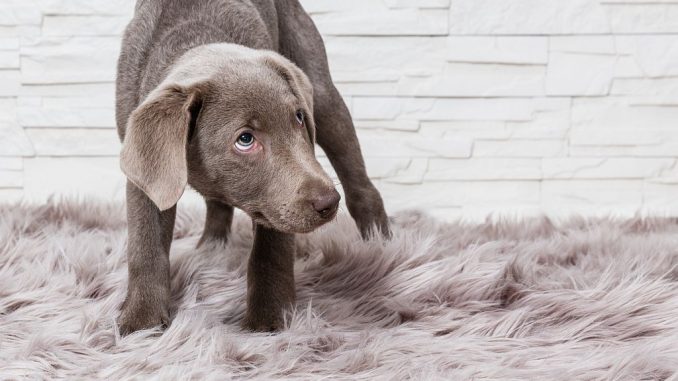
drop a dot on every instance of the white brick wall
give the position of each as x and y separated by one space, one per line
463 107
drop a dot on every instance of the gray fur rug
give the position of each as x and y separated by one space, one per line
530 300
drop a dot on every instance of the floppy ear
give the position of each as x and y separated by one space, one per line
306 88
304 84
153 154
299 83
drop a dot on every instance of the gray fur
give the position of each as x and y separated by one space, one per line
192 76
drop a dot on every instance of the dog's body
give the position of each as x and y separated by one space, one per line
203 99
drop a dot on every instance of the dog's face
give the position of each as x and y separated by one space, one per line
238 126
253 147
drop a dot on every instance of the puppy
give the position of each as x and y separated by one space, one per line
230 96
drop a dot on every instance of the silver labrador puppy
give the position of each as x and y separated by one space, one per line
227 95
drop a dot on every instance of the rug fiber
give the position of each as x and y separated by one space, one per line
503 300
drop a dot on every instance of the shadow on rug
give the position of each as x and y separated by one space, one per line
531 300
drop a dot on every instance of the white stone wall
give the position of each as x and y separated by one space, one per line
463 107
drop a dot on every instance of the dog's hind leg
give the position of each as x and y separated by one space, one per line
301 43
217 222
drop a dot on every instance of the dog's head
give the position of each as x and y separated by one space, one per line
237 124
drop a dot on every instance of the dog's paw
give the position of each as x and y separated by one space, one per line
375 226
367 209
136 316
262 325
263 321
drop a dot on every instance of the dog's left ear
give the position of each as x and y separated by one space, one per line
153 153
299 84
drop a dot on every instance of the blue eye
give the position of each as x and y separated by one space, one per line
245 141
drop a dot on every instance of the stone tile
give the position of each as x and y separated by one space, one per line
366 88
551 120
655 55
483 169
378 59
102 92
8 110
20 32
580 74
459 193
604 168
476 80
52 60
527 17
326 6
441 109
643 18
13 141
11 179
392 22
11 83
492 49
74 142
664 149
87 7
422 4
660 199
612 121
9 59
12 163
545 125
519 148
583 44
412 145
567 193
466 129
385 167
11 194
412 174
647 91
54 25
13 13
67 112
9 43
98 177
397 125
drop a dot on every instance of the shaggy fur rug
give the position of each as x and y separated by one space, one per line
529 300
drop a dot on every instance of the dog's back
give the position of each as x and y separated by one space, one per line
162 30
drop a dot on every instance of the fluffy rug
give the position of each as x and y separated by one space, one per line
528 300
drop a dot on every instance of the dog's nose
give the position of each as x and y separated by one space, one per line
327 203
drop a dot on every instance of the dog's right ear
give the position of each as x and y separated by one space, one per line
153 154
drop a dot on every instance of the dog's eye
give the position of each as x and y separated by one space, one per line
245 141
300 117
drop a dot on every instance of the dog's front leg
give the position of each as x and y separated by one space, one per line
270 279
148 245
337 137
